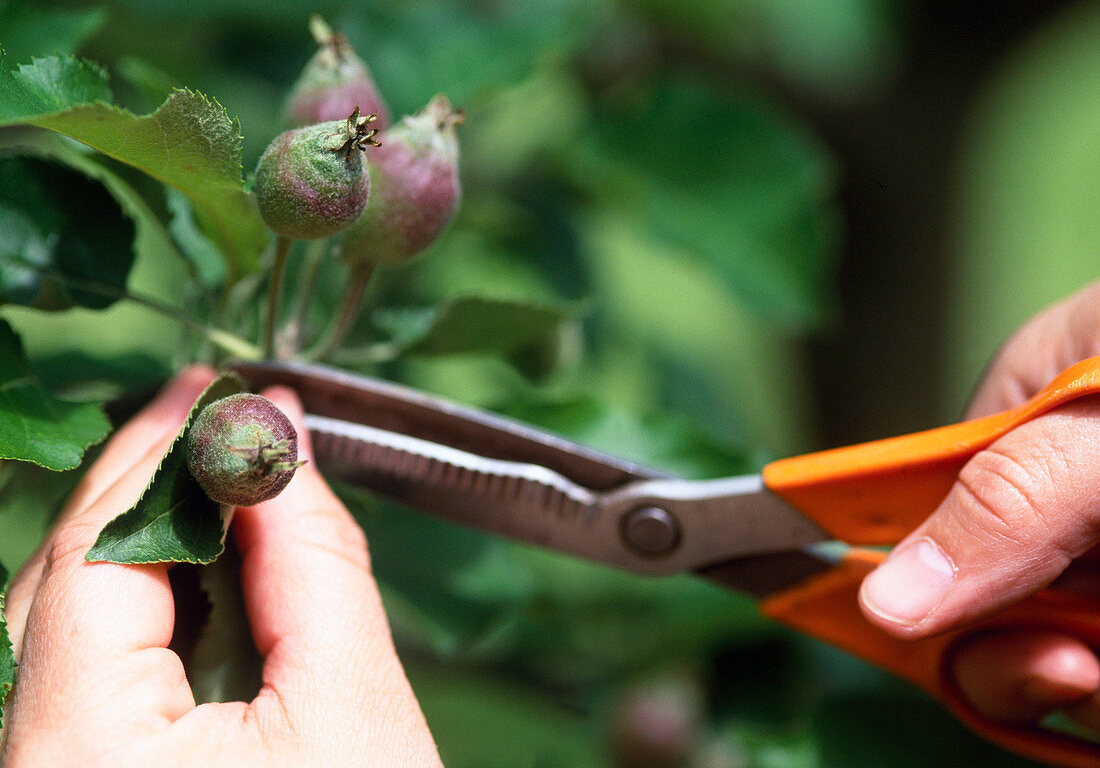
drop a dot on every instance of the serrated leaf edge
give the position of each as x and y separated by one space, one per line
235 184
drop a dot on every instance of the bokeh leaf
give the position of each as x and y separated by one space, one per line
838 50
174 521
31 497
64 240
206 259
657 439
463 595
755 208
481 720
428 47
188 143
468 325
27 30
34 425
1025 231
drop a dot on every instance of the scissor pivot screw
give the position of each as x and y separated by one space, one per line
651 531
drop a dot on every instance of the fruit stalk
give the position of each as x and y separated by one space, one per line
274 294
349 310
225 340
290 339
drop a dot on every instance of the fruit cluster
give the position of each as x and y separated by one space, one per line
312 181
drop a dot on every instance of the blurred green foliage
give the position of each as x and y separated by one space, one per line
638 168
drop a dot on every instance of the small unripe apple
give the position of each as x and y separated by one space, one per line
242 450
312 182
333 83
416 188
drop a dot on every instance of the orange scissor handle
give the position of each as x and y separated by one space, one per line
876 493
827 607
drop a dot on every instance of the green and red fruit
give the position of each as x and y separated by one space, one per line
242 450
333 83
416 188
312 182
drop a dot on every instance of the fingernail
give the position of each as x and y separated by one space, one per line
1049 694
910 584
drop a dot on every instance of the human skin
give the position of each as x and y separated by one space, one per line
1023 513
98 686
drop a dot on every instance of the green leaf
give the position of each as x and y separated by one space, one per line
206 259
755 209
470 325
188 143
34 425
48 85
64 240
78 375
26 30
467 49
223 664
174 521
152 246
7 657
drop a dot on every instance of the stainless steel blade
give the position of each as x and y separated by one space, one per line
515 499
712 521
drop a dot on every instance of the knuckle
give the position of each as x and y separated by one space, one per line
1007 494
157 667
69 545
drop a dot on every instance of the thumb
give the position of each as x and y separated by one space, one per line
1020 512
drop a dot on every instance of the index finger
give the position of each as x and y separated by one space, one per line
315 610
155 423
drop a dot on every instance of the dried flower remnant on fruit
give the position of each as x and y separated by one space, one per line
242 450
312 182
333 83
360 136
416 188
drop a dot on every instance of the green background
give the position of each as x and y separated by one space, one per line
779 226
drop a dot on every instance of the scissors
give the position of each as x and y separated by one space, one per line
800 536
